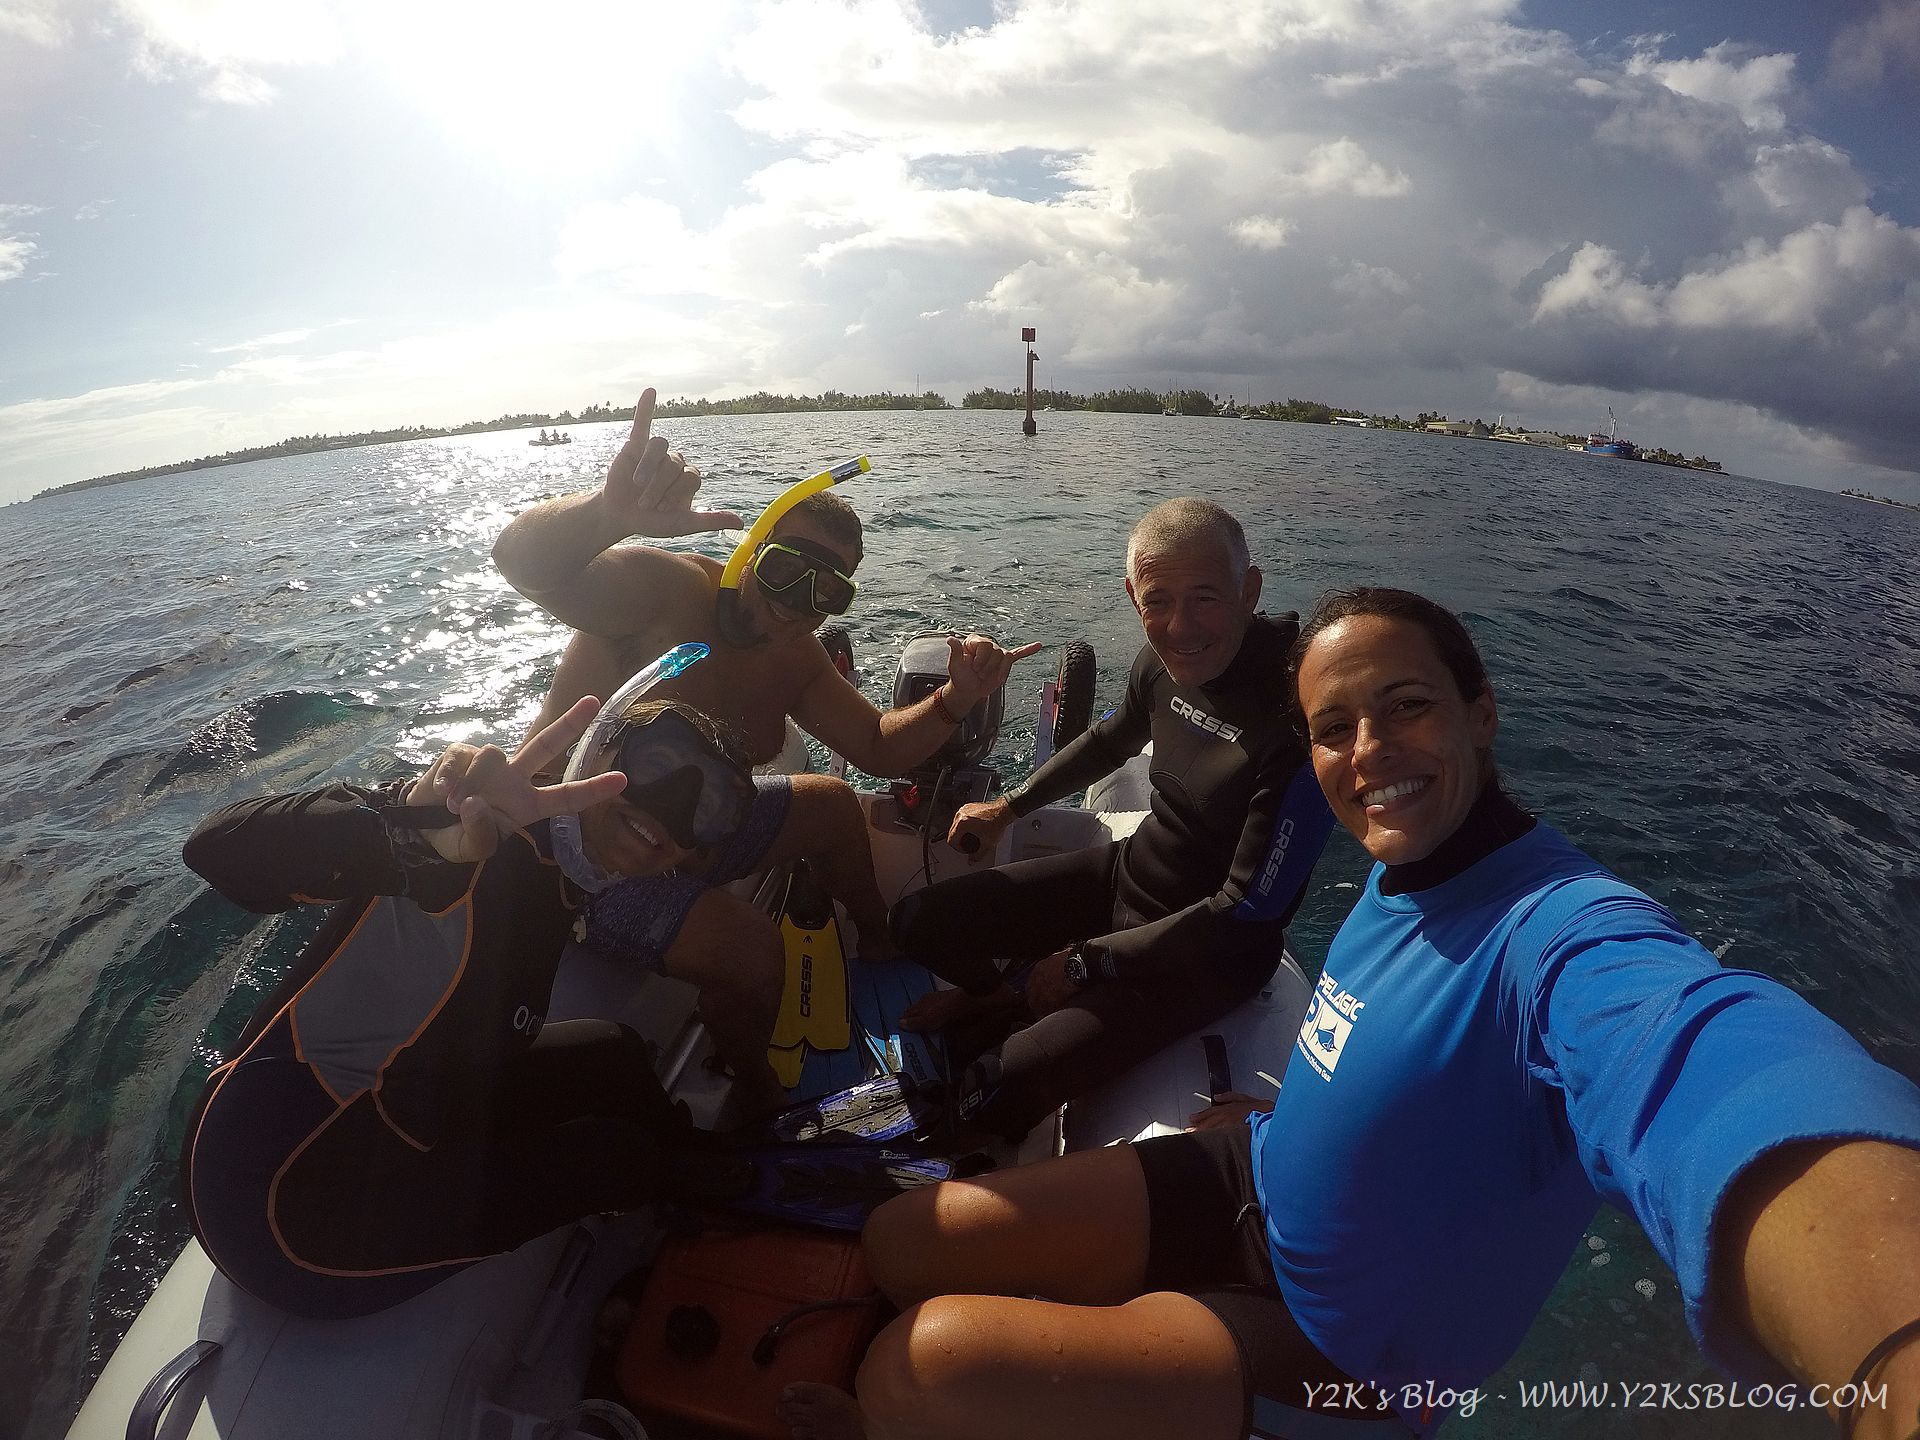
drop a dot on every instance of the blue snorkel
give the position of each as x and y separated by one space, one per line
568 851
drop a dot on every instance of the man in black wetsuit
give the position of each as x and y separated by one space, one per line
1171 928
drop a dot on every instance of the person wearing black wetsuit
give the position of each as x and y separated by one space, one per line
397 1108
1183 920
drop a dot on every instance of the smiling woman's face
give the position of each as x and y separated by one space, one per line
1399 752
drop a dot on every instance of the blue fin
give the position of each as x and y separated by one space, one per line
827 1072
880 992
886 1108
830 1187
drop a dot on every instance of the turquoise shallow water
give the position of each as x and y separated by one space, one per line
1711 683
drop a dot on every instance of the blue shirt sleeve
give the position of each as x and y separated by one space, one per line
1678 1074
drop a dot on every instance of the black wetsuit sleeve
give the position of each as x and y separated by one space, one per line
315 847
1286 828
1103 748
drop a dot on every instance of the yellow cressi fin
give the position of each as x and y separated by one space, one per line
813 1000
788 1061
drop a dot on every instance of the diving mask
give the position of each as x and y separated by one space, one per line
675 775
800 576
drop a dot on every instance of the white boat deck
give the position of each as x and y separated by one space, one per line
499 1349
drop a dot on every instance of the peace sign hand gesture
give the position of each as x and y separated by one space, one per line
650 489
493 794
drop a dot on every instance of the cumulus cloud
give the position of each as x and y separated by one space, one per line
1865 52
38 22
1805 177
16 252
1755 87
1848 286
17 247
1341 167
1360 281
1262 232
1388 192
226 47
1821 329
1393 204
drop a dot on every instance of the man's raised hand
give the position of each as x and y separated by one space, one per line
493 794
650 489
976 667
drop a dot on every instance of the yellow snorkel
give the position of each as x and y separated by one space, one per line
727 602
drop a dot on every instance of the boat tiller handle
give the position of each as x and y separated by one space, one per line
143 1422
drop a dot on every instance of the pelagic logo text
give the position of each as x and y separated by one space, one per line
1200 720
1330 1020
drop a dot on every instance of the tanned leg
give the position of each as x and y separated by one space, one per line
1107 1362
1072 1229
985 1366
826 824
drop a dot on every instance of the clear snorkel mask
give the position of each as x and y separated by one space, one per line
568 850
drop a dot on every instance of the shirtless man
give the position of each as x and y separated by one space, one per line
627 604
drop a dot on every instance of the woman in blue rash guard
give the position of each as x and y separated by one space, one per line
397 1108
1503 1036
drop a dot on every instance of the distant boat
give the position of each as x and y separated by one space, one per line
554 439
1608 444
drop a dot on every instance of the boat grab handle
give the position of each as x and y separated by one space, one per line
143 1423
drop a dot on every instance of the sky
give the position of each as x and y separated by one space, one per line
224 222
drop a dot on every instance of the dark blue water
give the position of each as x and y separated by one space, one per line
1711 683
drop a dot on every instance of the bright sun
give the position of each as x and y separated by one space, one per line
565 87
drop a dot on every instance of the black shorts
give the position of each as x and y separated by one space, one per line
961 929
1206 1239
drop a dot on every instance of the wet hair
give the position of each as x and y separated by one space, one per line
1443 628
1187 523
725 740
832 517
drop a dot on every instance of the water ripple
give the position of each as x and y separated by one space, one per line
1712 683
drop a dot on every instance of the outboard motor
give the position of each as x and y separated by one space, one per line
957 773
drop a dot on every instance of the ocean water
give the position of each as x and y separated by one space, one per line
1711 683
